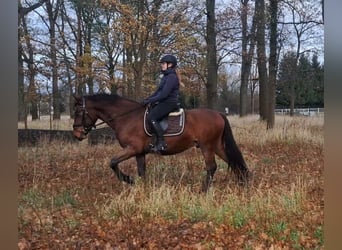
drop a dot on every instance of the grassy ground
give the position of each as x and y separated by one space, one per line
70 199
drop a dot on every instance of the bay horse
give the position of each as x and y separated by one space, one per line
206 129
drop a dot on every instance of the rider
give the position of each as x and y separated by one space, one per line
165 99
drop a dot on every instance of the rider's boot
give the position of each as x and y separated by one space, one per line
160 144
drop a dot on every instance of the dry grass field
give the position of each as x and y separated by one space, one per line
70 199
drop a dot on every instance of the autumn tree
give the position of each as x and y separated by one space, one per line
91 46
89 13
109 49
137 22
49 51
68 52
52 9
82 29
25 55
32 96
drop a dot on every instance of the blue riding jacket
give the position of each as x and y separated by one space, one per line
168 90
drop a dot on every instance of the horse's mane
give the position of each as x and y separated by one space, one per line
111 98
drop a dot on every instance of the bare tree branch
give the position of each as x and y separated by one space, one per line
22 11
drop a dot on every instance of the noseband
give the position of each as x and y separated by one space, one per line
86 129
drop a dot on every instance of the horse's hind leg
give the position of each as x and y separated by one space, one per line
210 166
240 171
141 164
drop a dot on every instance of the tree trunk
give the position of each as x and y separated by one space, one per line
69 80
21 89
90 79
211 55
292 98
22 113
272 63
244 63
253 87
261 52
322 3
79 53
247 56
69 83
32 96
111 68
138 76
128 74
139 68
52 13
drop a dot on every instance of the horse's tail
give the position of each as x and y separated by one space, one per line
234 156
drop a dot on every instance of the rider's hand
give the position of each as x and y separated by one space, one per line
145 102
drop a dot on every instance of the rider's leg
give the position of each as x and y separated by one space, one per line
161 145
156 114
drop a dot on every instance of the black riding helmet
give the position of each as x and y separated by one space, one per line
169 59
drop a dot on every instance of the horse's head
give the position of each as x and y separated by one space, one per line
84 120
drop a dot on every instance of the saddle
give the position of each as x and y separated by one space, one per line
172 125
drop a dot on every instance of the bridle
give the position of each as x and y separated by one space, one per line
85 114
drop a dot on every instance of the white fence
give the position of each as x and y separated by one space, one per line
304 111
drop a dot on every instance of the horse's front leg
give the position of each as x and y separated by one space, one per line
141 164
123 155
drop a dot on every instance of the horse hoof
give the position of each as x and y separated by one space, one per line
129 180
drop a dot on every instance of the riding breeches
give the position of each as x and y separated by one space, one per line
161 110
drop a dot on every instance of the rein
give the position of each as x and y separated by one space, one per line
85 112
112 118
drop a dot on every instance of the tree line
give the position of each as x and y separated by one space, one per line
300 83
80 47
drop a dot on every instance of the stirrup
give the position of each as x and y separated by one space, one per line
152 148
161 146
156 148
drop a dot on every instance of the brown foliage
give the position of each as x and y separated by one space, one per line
64 189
